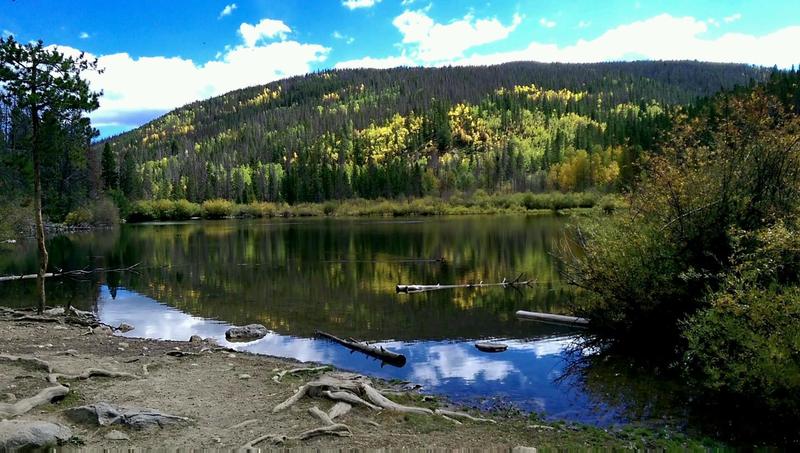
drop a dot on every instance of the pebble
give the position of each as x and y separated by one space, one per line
195 339
117 435
122 344
231 356
244 376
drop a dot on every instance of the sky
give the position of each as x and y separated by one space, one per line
160 55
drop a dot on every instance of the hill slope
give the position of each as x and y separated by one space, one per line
416 131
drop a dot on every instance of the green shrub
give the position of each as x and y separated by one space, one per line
142 211
747 346
80 216
104 212
185 209
164 209
217 208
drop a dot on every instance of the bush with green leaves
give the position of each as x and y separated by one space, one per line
746 344
218 208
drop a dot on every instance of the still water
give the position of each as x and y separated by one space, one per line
339 276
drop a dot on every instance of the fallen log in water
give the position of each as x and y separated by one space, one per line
77 272
517 282
386 356
549 317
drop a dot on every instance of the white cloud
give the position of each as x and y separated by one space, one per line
378 63
544 22
432 41
584 23
227 10
406 2
84 35
732 18
7 33
347 39
662 37
712 21
354 4
136 90
266 29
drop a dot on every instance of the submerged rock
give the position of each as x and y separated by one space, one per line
195 339
23 434
105 414
125 327
246 333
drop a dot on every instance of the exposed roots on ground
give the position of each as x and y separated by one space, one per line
35 361
453 415
90 372
22 406
9 410
281 374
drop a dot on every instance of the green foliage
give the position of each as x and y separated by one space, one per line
412 133
746 344
184 209
101 212
217 209
734 165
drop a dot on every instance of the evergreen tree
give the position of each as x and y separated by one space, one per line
109 168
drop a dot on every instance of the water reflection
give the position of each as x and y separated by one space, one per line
525 375
296 277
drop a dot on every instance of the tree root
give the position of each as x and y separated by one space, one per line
37 362
301 392
281 374
378 399
339 409
22 406
322 416
91 372
453 414
348 397
243 424
337 429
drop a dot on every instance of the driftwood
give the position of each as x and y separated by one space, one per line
73 273
453 414
281 374
22 406
516 283
339 409
378 352
90 372
549 317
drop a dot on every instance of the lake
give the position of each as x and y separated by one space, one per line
339 276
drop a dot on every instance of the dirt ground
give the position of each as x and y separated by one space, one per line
211 389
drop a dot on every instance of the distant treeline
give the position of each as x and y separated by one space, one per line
404 132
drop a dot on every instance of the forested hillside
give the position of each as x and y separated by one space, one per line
414 131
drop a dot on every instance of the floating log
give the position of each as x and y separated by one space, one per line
491 347
410 289
549 317
77 272
386 356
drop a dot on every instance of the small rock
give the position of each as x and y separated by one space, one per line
125 327
23 434
55 311
521 449
10 397
231 356
60 328
122 344
102 330
195 339
117 435
543 427
246 333
105 414
244 376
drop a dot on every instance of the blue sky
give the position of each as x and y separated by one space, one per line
159 55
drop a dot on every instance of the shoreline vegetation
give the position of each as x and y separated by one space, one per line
224 399
478 203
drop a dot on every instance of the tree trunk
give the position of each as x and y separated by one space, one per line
37 208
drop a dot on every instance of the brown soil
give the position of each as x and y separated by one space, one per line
208 389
